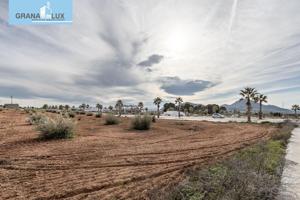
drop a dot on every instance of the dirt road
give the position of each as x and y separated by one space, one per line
110 162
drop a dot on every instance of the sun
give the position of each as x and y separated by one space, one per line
177 39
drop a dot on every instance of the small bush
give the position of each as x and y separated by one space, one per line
57 128
179 123
71 114
111 120
89 114
82 112
141 122
153 119
266 122
36 119
98 115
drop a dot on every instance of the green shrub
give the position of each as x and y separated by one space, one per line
98 115
141 122
284 133
111 120
89 114
265 122
82 112
282 136
56 128
35 119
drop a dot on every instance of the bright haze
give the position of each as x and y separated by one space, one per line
202 50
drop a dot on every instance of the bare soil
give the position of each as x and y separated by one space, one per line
111 162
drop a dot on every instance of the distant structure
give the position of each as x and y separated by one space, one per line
11 105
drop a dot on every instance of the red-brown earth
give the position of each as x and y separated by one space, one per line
111 162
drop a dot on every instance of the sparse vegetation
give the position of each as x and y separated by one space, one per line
99 107
98 115
179 123
35 119
284 133
110 119
56 128
253 173
82 112
185 145
295 108
141 122
72 114
89 114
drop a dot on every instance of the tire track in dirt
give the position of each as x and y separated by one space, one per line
141 154
104 162
199 160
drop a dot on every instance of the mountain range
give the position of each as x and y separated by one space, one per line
241 106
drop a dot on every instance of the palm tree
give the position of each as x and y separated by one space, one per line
249 94
140 106
179 101
157 101
295 107
82 106
99 107
67 107
110 108
260 98
119 106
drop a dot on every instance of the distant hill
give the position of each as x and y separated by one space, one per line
241 106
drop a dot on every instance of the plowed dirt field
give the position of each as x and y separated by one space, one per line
111 162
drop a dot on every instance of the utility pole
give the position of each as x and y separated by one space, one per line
11 99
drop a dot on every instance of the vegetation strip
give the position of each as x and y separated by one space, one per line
252 173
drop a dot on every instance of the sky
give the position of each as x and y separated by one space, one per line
205 51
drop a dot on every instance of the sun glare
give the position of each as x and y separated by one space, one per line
177 39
